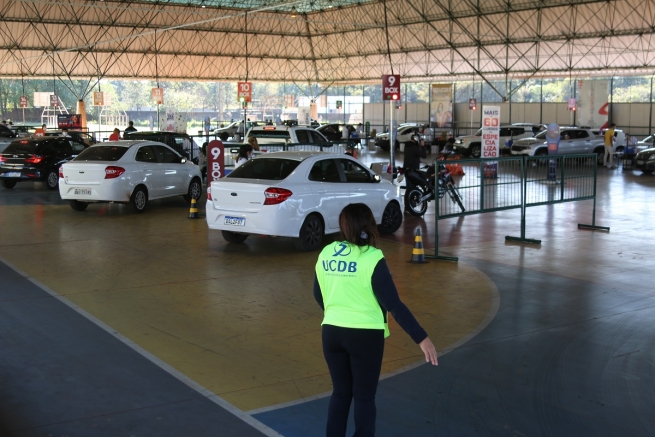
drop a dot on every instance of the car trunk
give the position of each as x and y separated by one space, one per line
238 196
85 174
15 156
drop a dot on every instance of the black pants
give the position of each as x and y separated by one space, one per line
354 358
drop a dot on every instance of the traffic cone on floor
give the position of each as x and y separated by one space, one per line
193 211
418 255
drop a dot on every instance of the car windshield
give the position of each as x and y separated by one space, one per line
274 169
541 135
102 153
21 147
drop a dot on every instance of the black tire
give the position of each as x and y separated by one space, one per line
139 200
8 184
600 156
455 196
224 136
647 171
234 237
51 181
475 150
541 152
414 205
78 206
195 190
392 218
310 236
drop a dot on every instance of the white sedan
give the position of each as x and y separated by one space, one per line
130 172
300 195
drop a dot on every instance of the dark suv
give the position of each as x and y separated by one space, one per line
37 159
180 142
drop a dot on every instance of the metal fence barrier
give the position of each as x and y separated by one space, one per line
497 184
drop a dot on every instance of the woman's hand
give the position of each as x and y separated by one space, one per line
430 352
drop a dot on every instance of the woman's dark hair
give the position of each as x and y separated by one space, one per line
243 151
358 225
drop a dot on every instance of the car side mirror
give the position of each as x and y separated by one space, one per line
377 178
183 160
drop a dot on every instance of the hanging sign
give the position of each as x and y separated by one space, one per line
571 104
158 95
244 91
98 98
339 104
472 104
54 100
391 87
23 101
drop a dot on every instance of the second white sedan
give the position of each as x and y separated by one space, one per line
131 172
300 195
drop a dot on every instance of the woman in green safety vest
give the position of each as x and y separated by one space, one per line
353 286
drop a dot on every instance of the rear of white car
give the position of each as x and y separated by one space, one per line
127 172
299 195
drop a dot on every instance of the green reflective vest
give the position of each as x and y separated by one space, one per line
344 273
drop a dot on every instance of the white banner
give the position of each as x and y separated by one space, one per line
593 96
170 120
490 132
42 99
304 115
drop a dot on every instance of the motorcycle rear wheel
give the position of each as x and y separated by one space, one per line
414 205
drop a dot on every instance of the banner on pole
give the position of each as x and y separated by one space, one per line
442 105
490 139
593 96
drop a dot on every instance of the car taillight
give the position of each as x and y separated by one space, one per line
276 196
61 172
209 193
3 159
112 172
34 159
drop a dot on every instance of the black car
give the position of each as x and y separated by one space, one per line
645 160
334 131
180 142
37 159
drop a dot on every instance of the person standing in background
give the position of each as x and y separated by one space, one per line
609 147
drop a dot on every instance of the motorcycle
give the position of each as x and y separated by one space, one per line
417 197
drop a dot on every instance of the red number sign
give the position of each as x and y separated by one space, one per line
215 161
391 87
244 90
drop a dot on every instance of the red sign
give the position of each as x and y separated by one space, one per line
472 104
54 100
571 104
215 161
244 91
391 87
23 101
158 95
98 98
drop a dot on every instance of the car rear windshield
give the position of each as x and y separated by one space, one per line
275 134
272 169
102 153
20 147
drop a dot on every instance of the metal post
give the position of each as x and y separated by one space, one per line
592 226
524 201
650 113
436 225
392 146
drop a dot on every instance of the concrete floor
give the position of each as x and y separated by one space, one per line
119 324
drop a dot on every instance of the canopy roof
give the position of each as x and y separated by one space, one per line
326 41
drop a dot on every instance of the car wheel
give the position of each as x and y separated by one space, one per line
51 181
392 218
8 184
310 236
78 206
139 200
224 136
600 155
195 190
647 171
234 237
475 150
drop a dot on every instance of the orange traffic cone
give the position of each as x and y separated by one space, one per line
193 211
418 255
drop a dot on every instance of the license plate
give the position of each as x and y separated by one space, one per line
235 221
12 174
82 191
641 162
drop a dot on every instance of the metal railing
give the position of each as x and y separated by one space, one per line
497 184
